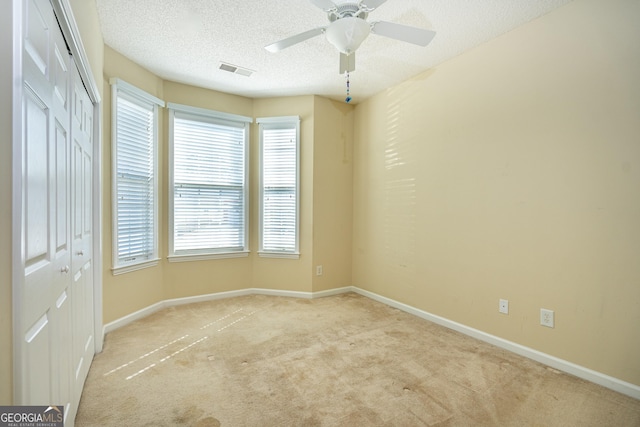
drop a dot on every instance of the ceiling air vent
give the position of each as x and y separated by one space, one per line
235 69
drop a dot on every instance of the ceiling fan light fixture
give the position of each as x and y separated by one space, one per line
346 34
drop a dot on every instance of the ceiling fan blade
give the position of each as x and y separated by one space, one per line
404 33
325 5
290 41
347 62
372 4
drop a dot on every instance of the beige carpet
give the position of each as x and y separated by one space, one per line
337 361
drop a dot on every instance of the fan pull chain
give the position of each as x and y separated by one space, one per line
348 98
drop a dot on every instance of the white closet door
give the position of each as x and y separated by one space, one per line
82 242
61 63
45 193
56 296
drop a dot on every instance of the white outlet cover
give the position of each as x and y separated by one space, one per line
546 318
503 306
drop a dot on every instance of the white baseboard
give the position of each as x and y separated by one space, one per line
607 381
331 292
119 323
206 297
298 294
278 293
111 326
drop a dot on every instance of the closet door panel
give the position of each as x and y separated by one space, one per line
47 302
82 243
62 299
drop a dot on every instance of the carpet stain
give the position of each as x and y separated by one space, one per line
397 334
128 405
207 422
188 415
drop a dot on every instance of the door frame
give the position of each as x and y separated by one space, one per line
71 33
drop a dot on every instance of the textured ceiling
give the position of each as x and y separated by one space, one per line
186 40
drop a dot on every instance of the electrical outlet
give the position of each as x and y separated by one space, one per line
503 306
546 317
318 270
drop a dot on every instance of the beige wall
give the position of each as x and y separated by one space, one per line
325 200
6 117
513 171
86 17
185 279
126 293
326 186
332 193
274 273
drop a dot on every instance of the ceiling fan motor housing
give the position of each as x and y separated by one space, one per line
347 10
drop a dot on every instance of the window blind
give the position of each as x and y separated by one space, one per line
134 164
208 185
279 185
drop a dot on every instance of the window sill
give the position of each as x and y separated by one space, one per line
286 255
204 257
134 267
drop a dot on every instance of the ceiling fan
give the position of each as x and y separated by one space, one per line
348 27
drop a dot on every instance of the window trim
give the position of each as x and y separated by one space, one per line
120 86
206 115
282 122
117 86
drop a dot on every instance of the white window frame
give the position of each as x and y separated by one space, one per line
133 94
206 115
284 122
